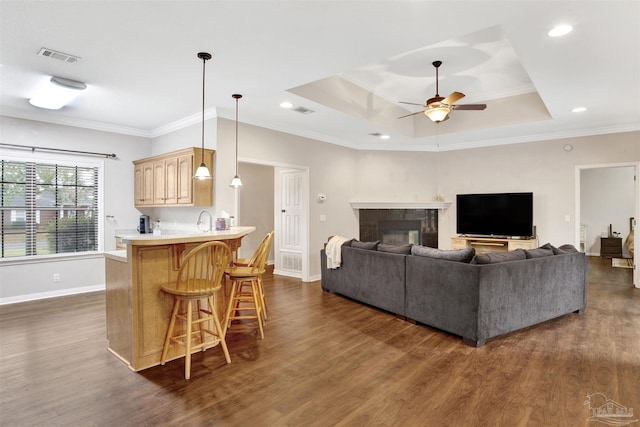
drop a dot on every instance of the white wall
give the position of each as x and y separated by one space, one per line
256 205
542 167
332 171
395 176
34 279
606 198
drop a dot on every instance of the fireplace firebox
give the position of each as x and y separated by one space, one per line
400 226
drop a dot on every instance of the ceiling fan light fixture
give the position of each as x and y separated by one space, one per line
437 114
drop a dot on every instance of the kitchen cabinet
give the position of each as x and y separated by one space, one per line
143 186
167 179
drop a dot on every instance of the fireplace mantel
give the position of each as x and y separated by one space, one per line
400 205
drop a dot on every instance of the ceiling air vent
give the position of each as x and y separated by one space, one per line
50 53
303 110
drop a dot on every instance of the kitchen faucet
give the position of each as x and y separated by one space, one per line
199 223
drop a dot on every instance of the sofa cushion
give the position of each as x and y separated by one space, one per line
364 245
495 257
538 253
459 255
565 249
348 242
403 249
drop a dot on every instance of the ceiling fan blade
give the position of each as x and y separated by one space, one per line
469 107
410 103
451 99
412 114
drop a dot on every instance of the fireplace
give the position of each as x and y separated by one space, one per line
400 226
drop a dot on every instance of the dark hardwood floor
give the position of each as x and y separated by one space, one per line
325 361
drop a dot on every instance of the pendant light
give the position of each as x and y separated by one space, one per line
236 181
203 172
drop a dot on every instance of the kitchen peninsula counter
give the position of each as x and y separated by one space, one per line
137 310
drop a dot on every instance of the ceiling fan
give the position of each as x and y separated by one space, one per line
438 108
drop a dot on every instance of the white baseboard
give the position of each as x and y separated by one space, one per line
287 273
52 294
295 274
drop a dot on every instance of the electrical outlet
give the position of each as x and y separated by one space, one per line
56 278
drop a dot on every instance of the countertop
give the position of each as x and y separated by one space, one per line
176 236
120 255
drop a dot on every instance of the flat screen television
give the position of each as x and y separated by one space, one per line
497 214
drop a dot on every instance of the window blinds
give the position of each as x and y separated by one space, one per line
48 208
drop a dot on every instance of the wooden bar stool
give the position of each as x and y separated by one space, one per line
262 250
247 290
199 278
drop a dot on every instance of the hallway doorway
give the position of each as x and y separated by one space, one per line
268 189
607 205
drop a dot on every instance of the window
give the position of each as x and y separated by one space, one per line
48 208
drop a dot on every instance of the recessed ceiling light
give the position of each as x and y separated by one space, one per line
380 135
560 30
286 104
579 109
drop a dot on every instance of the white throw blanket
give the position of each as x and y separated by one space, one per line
334 251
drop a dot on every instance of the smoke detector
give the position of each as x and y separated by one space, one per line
50 53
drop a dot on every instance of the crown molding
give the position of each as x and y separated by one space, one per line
79 123
183 123
425 145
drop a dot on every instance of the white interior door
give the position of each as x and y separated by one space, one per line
290 213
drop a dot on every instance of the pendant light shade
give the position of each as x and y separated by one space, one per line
236 181
203 171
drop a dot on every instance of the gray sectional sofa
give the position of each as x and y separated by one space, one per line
474 296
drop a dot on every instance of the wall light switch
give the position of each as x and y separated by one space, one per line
323 218
567 218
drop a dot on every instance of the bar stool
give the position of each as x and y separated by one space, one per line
247 290
199 278
263 249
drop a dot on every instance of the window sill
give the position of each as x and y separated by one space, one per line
49 258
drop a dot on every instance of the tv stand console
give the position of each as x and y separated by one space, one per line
492 244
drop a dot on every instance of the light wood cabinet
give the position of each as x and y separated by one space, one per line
143 184
167 180
489 244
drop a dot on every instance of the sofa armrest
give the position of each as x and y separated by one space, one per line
369 276
518 294
443 294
